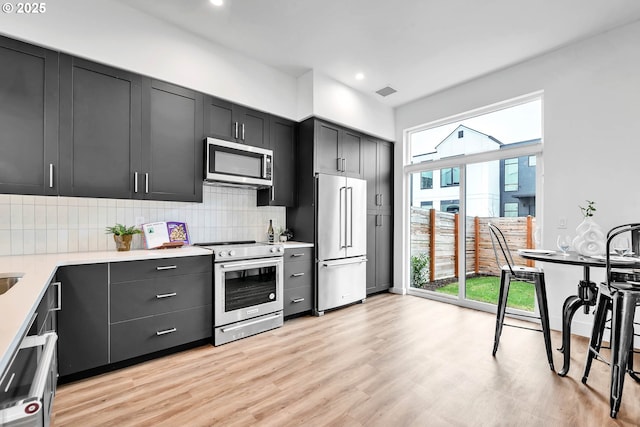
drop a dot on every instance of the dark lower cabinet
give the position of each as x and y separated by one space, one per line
28 119
83 321
379 252
298 280
172 142
100 126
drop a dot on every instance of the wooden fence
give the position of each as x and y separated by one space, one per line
436 233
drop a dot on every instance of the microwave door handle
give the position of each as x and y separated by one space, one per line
264 166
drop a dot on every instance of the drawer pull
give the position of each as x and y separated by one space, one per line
297 255
166 331
297 300
297 274
172 294
167 267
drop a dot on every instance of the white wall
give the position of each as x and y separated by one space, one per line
591 106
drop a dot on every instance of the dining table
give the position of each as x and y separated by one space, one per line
587 294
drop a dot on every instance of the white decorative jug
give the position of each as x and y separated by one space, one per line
590 239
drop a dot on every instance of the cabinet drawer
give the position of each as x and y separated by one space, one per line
297 300
298 274
150 334
142 298
298 254
126 271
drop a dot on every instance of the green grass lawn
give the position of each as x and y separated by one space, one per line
485 289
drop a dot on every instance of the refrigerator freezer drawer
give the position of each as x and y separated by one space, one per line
341 282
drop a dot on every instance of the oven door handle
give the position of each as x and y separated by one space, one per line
36 391
255 322
250 263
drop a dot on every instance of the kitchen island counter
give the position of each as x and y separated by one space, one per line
19 303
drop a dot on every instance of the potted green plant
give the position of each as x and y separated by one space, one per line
122 235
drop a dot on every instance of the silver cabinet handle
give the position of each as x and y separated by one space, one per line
242 132
166 331
59 297
146 183
50 175
381 199
297 275
135 182
378 220
166 267
297 300
297 255
172 294
344 165
235 132
339 164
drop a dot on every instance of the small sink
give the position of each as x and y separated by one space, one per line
8 280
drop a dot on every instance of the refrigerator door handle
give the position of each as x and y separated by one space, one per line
343 210
349 218
340 263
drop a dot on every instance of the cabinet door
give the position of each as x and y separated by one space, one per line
100 111
370 172
350 143
385 176
253 126
28 119
218 119
283 143
384 252
172 136
371 253
83 322
327 148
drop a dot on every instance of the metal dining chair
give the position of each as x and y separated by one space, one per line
619 297
510 271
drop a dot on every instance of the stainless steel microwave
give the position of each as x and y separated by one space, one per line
230 163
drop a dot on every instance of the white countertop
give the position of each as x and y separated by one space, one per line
19 303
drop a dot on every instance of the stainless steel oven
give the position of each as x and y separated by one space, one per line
248 281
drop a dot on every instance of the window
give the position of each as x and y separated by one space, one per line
511 175
426 205
450 177
532 161
451 206
426 180
511 209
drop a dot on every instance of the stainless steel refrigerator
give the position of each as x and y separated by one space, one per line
341 244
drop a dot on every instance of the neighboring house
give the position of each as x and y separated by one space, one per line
518 184
502 188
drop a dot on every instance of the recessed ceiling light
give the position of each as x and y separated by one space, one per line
216 2
359 76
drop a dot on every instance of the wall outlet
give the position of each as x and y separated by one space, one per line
562 222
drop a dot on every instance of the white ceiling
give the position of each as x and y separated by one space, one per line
418 47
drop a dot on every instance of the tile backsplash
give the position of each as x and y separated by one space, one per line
52 224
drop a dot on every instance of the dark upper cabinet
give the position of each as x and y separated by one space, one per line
225 120
172 135
337 150
28 119
377 164
100 130
283 143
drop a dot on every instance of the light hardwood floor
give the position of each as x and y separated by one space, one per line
392 361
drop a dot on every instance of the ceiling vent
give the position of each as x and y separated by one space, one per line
386 91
